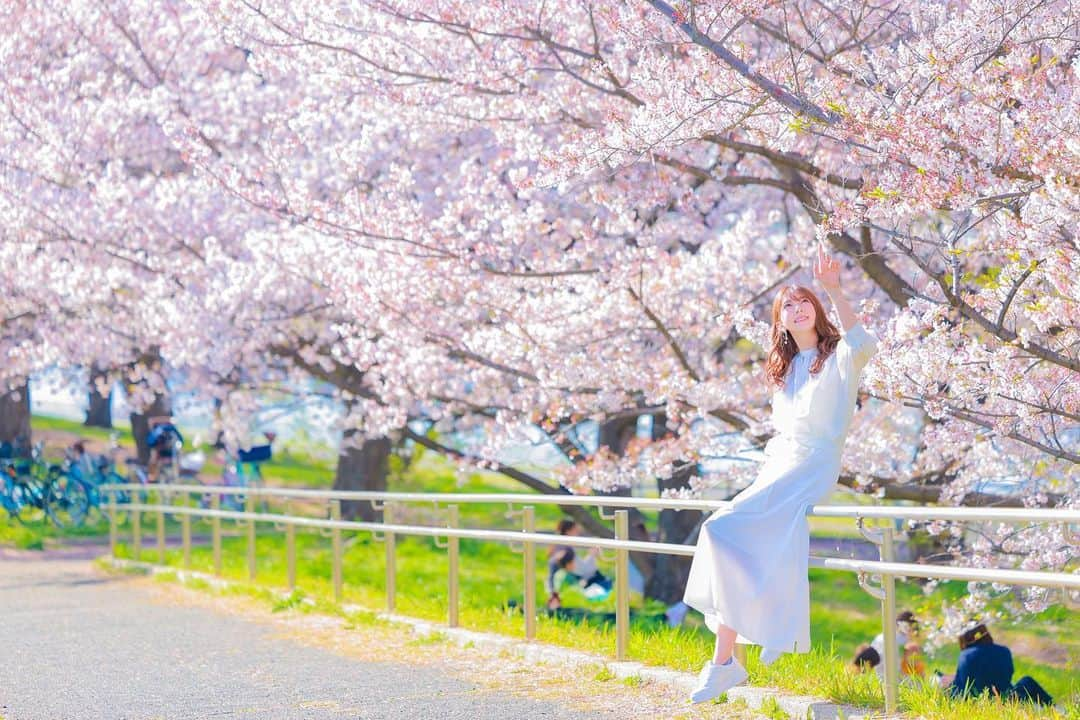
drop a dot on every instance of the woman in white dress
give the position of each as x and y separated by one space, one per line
749 574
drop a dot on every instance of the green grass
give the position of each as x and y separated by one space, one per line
40 533
435 638
926 701
46 423
603 674
293 601
771 709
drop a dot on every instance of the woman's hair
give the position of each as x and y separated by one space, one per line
784 348
975 635
564 526
866 657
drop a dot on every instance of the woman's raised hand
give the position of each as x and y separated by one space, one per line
826 270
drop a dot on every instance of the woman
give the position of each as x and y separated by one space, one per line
866 659
749 575
984 667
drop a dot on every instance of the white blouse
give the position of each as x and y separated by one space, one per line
816 410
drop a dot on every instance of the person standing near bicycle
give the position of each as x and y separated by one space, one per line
164 441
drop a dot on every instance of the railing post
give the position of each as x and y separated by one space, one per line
114 524
215 533
136 533
290 555
161 526
622 585
185 535
529 526
335 540
391 560
452 547
252 526
888 621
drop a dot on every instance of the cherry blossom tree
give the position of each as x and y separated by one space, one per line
502 215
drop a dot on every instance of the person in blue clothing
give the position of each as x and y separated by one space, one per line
164 441
579 568
986 667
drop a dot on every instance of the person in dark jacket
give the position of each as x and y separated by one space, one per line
986 667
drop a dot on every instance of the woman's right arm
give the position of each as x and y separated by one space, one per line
827 273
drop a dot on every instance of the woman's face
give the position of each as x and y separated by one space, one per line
797 314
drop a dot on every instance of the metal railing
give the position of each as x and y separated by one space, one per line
886 569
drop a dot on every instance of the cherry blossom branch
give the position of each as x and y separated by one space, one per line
471 87
1012 293
672 343
786 159
1004 334
782 95
970 417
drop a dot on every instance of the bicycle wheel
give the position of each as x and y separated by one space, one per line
99 499
68 501
26 502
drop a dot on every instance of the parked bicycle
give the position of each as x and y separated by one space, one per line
21 496
93 471
35 489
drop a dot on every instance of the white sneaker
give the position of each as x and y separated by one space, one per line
715 680
768 657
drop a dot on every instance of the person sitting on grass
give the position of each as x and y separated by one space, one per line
575 567
907 628
866 659
986 667
912 664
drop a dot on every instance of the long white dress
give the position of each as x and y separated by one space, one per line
750 567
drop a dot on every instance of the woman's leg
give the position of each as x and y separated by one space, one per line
722 673
725 644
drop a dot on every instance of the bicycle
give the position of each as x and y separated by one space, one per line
21 496
243 471
93 471
35 489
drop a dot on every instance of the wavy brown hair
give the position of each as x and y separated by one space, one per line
784 348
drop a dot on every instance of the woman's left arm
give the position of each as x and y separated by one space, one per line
827 273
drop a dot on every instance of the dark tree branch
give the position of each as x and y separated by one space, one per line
781 94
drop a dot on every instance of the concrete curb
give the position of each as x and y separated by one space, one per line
797 707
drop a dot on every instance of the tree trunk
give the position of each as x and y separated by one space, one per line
15 417
616 435
668 581
99 408
148 365
140 425
362 468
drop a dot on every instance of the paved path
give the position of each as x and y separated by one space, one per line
76 644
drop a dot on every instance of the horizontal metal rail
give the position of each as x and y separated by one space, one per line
1066 581
886 570
1003 515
